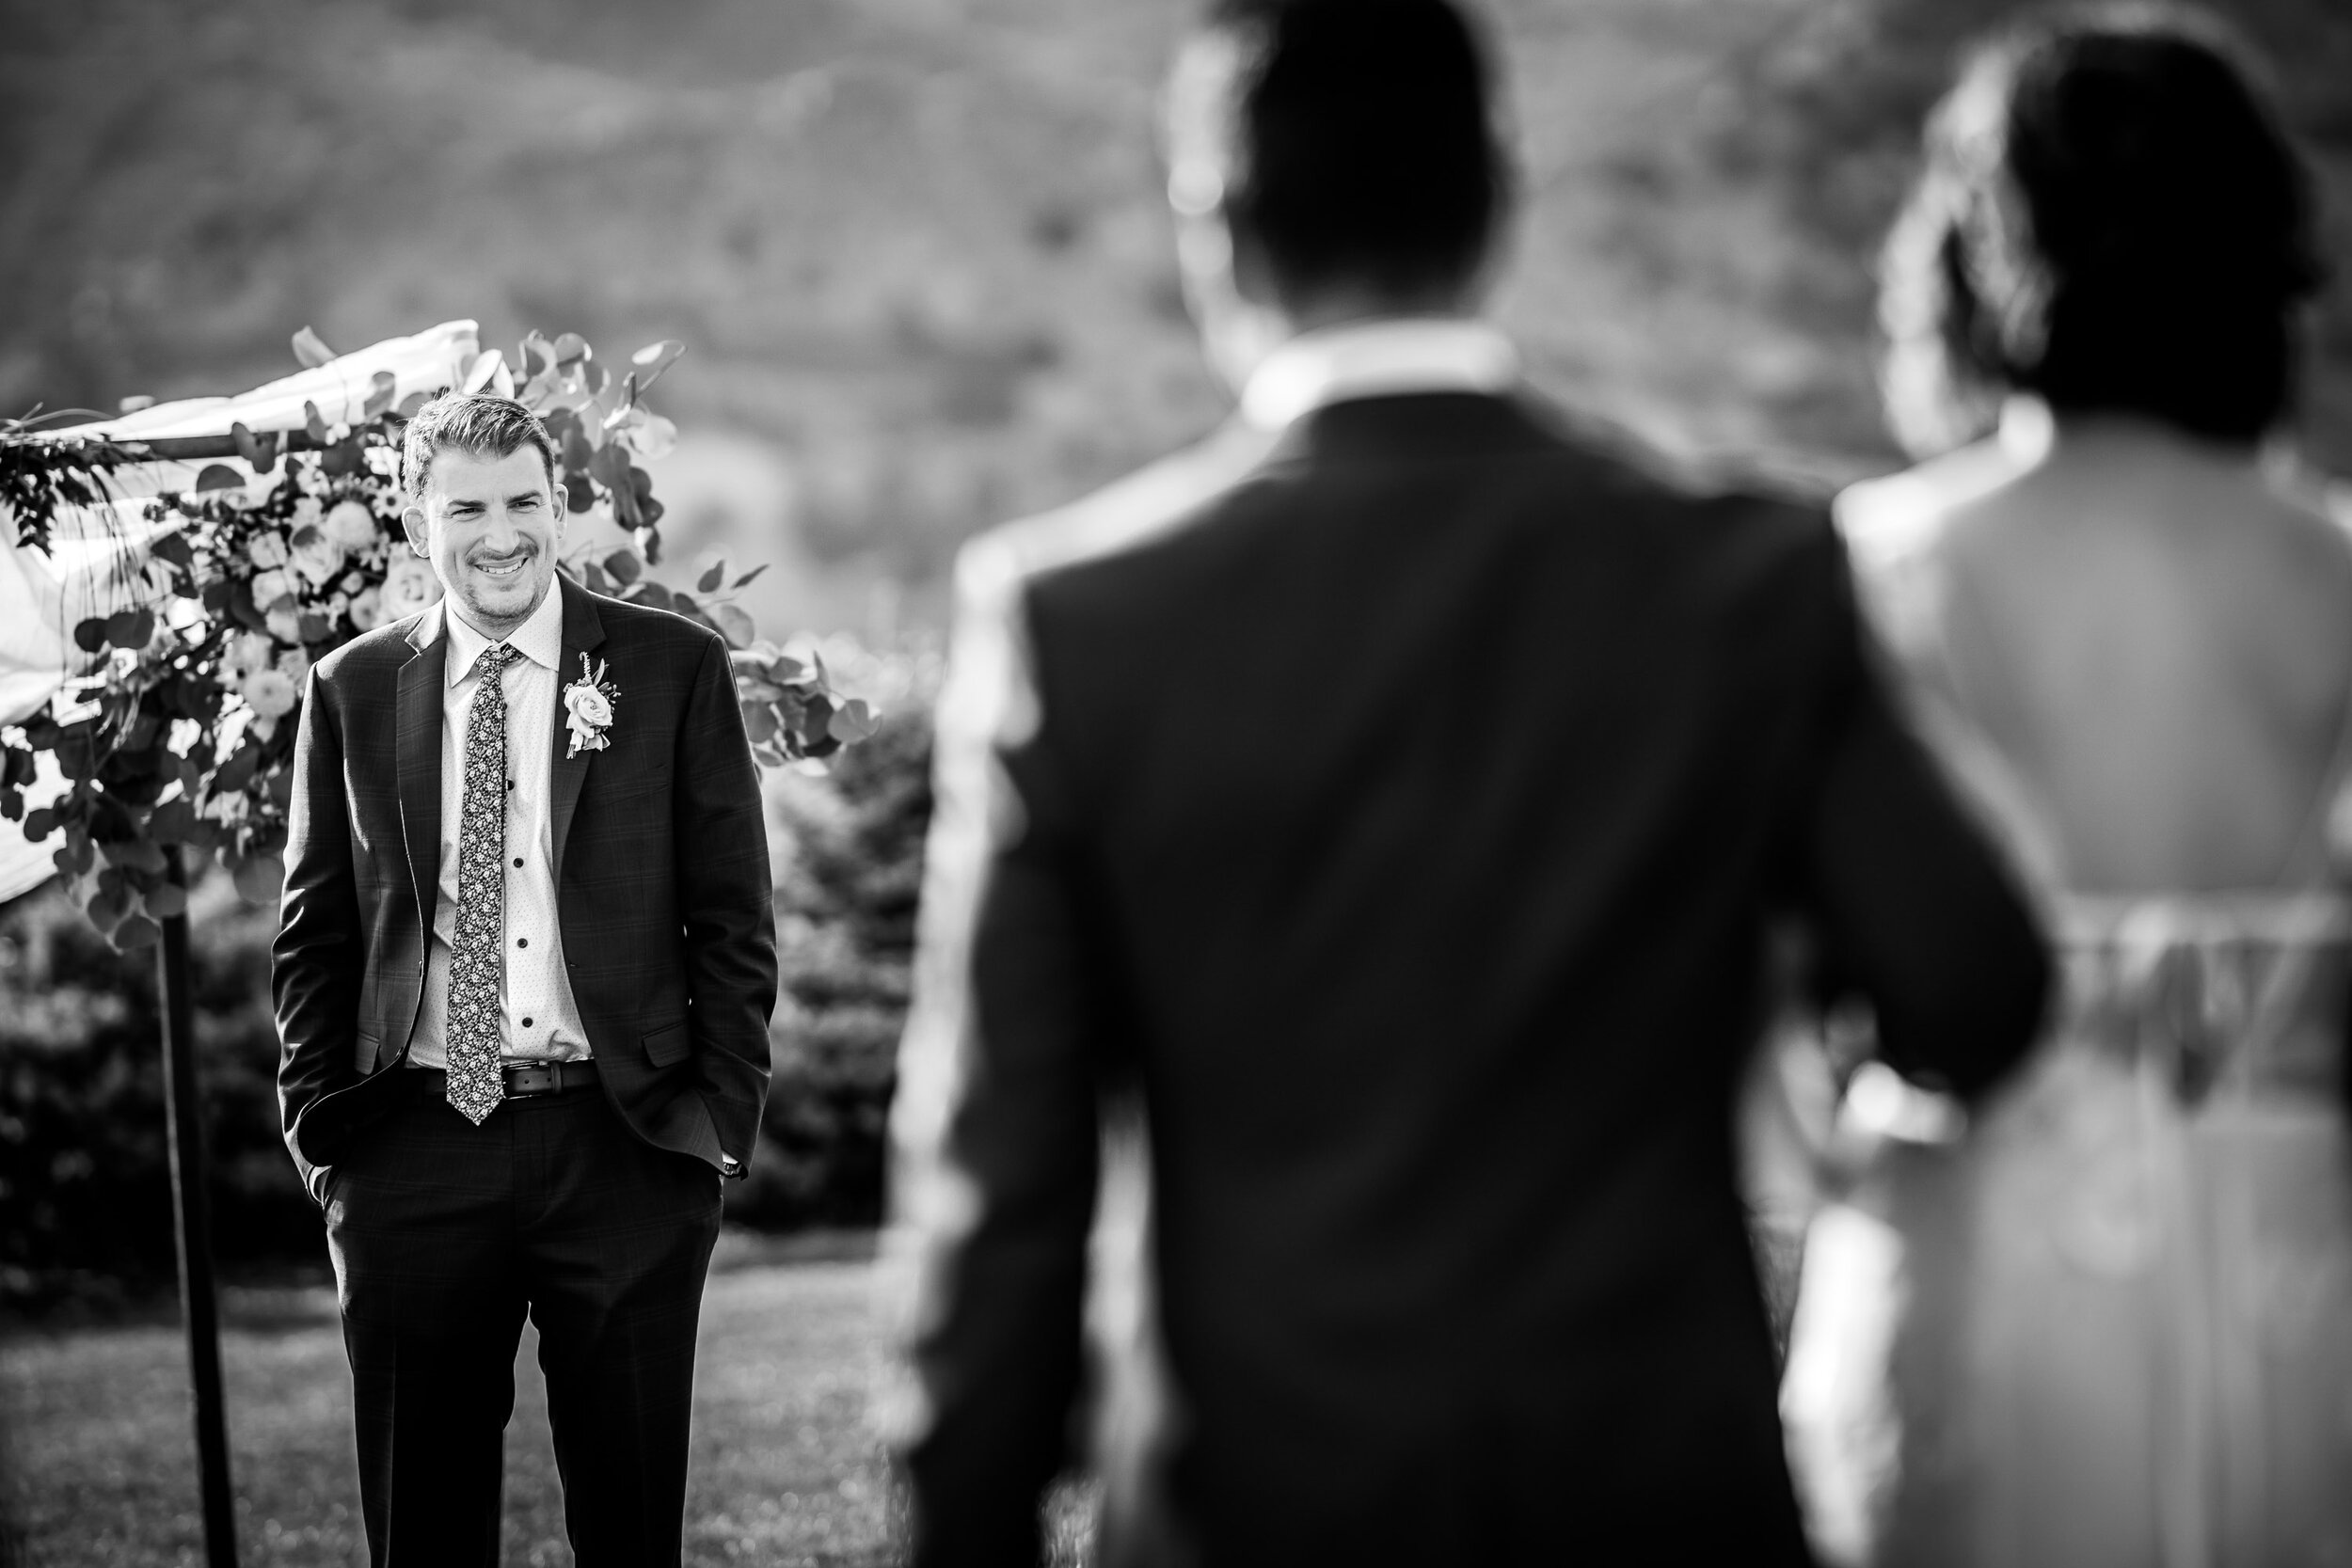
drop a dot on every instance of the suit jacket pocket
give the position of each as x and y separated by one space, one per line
668 1047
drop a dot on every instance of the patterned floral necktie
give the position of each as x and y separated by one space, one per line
476 961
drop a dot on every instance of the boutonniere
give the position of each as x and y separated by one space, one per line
588 708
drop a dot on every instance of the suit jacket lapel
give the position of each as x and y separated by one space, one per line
582 632
422 686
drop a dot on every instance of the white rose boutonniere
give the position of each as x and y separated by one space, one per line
588 708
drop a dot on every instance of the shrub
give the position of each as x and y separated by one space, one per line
846 894
85 1189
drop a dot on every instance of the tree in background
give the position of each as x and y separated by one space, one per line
85 1195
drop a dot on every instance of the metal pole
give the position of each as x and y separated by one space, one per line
193 1228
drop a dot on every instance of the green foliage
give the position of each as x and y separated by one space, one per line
84 1186
180 738
845 904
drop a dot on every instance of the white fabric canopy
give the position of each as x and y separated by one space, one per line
100 556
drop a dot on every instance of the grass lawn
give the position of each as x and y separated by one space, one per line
97 1462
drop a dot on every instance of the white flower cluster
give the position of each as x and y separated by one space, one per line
328 558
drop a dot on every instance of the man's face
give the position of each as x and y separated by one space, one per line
492 526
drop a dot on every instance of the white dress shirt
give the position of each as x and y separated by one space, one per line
541 1021
1378 358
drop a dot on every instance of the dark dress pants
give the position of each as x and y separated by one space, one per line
443 1235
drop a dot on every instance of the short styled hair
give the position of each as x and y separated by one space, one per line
2110 217
481 423
1364 149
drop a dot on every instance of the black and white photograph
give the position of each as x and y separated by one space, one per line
1175 783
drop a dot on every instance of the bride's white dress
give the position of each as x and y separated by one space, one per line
2112 1322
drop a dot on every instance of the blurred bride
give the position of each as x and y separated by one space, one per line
2111 1321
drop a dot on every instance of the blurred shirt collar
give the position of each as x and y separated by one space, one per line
540 639
1379 358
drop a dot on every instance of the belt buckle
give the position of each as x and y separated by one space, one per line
526 1078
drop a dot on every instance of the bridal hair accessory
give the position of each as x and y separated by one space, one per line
588 708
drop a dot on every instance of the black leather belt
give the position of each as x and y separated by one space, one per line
524 1080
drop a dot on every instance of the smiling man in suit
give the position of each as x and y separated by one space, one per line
523 974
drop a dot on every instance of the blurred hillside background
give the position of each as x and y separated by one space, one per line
917 246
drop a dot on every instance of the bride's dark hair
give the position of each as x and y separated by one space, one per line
2112 217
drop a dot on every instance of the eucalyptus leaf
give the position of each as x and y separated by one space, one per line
482 371
712 579
852 723
654 358
134 933
311 349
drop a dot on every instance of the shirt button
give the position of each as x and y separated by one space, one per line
526 1024
522 941
518 865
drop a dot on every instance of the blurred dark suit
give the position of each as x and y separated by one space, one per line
1403 819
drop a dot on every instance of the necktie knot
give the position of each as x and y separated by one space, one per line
495 657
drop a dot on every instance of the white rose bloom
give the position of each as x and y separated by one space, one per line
382 461
269 693
284 623
267 550
352 582
589 705
249 652
367 610
409 586
271 586
351 524
316 556
306 511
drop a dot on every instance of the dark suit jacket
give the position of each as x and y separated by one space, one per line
1405 820
662 888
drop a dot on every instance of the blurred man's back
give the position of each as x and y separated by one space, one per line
1404 817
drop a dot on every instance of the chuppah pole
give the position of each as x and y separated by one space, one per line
193 1229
